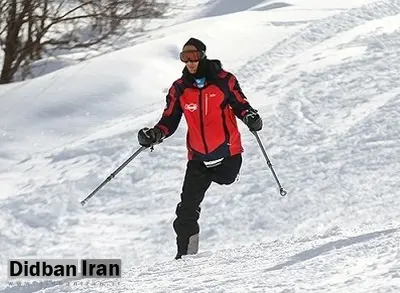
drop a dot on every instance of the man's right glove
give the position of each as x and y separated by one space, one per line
149 136
253 120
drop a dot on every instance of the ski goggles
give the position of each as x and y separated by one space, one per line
194 56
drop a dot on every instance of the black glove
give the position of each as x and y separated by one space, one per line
149 136
253 120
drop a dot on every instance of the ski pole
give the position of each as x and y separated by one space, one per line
109 178
281 190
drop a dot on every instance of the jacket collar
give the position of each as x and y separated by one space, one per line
213 68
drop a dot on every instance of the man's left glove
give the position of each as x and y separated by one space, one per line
150 136
253 120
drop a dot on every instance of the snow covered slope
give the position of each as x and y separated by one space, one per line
324 78
361 262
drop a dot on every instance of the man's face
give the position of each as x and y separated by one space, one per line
191 65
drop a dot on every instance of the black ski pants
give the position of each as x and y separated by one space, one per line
198 179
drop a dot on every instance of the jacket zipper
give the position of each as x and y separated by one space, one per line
206 104
203 136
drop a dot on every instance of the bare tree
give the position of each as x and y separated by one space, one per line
30 29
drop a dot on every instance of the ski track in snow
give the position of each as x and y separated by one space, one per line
264 267
329 94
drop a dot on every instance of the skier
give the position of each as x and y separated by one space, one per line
210 98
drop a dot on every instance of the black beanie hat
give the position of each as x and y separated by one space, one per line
199 45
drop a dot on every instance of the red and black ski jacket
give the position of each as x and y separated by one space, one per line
209 112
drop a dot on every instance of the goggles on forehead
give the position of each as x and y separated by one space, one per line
193 56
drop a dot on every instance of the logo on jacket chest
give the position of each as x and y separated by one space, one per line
191 107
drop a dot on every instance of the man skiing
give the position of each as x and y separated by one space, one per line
210 98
